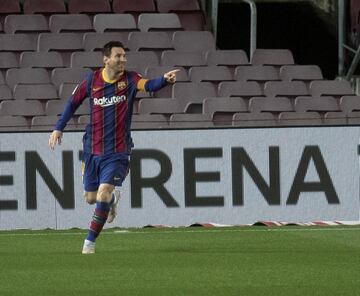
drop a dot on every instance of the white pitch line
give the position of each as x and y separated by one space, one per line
183 231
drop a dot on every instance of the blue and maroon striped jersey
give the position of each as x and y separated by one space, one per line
111 104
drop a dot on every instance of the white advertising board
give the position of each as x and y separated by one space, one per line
180 177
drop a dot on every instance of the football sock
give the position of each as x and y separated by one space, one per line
98 220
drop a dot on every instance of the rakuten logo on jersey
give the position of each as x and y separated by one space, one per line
105 101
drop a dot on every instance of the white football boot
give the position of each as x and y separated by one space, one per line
88 247
113 208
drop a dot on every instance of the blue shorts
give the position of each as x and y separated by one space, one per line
109 169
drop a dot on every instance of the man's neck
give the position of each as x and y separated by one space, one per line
111 75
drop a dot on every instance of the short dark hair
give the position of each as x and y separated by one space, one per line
108 47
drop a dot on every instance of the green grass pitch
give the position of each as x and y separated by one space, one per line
183 261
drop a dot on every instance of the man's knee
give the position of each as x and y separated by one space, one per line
90 197
104 192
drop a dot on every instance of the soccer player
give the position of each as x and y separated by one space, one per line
107 140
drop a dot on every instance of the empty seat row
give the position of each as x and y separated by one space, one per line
60 23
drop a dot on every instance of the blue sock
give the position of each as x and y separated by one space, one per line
99 219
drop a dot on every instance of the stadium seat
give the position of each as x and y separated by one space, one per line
59 42
165 106
8 60
48 60
256 73
133 7
96 41
168 22
17 42
73 23
272 57
226 58
149 121
254 119
47 123
2 80
66 90
353 117
190 121
5 93
35 92
189 12
335 118
300 72
9 7
194 41
22 23
92 59
68 75
155 41
214 74
274 105
21 108
182 59
54 107
239 89
350 103
155 72
285 88
45 7
114 22
26 76
331 88
221 110
142 59
10 123
300 119
89 6
318 104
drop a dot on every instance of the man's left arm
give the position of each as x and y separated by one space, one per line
157 83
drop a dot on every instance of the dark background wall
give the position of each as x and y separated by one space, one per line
295 26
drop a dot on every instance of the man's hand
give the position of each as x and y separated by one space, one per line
171 76
55 138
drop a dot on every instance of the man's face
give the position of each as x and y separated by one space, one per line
117 60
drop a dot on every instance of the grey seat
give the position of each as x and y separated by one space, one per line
142 59
8 60
9 123
331 88
213 74
48 60
124 22
159 22
45 7
66 90
300 72
96 41
254 119
21 108
9 6
164 106
88 59
258 73
62 23
274 105
5 93
17 42
155 72
190 121
68 75
239 89
47 123
25 23
155 41
35 92
285 88
318 104
26 76
59 42
194 41
130 6
335 118
226 57
54 107
300 118
353 117
275 57
89 6
149 121
182 59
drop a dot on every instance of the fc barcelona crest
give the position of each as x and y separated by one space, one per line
121 85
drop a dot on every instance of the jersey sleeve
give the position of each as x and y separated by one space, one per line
143 84
79 94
